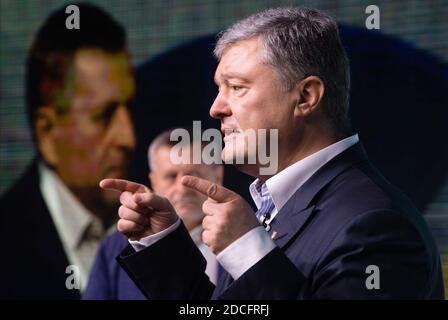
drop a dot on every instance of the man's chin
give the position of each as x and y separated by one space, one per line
240 160
231 156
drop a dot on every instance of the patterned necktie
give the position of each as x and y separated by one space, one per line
267 205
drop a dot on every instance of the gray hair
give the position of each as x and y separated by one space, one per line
161 140
164 140
297 43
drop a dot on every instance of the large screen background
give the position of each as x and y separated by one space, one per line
154 26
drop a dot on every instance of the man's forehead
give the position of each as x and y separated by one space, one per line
239 58
100 78
90 64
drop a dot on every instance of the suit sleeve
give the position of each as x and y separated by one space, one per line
98 286
274 277
172 268
382 239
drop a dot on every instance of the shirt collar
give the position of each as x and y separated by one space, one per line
71 218
286 182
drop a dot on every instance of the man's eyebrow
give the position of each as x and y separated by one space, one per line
114 104
231 75
111 106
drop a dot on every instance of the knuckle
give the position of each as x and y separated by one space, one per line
213 241
122 197
120 225
126 213
132 226
205 207
126 198
225 214
212 189
219 227
121 211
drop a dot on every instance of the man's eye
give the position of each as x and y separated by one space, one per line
102 118
98 117
236 88
105 116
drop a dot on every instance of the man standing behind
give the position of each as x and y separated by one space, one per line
329 225
78 85
108 281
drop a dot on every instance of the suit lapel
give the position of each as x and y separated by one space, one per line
301 207
282 233
41 250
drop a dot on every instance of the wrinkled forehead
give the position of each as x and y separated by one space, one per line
241 58
246 50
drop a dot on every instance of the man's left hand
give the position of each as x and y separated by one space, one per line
227 215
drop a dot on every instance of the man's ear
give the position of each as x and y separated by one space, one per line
310 92
44 126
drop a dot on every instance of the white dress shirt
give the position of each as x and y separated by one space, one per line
212 264
196 234
250 248
246 251
79 230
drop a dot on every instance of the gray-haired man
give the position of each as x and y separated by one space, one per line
329 225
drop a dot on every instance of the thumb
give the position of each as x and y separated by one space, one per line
208 188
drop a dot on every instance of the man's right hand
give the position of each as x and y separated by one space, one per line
142 213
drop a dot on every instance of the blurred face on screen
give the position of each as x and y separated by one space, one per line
166 181
87 134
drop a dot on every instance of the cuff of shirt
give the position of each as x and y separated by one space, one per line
145 242
245 252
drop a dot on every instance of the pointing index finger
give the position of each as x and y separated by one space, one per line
122 185
210 189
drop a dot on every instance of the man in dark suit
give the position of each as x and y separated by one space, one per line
328 225
108 281
78 84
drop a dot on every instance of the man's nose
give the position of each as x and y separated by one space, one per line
121 130
220 108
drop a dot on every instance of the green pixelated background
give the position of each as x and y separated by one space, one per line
153 26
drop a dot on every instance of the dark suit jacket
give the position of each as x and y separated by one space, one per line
108 281
343 219
33 260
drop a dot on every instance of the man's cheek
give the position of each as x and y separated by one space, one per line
87 128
